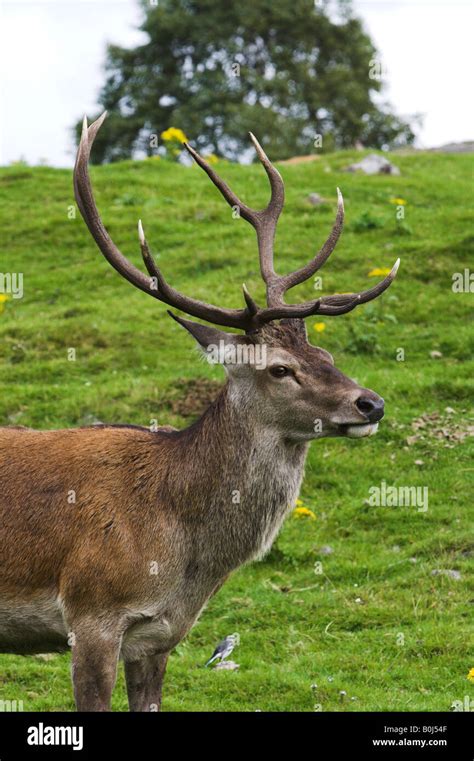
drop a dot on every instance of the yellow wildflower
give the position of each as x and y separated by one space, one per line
3 299
398 201
304 512
319 327
175 135
211 158
470 676
379 272
299 503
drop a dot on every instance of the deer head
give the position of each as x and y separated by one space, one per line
295 389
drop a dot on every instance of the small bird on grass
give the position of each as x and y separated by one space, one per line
224 648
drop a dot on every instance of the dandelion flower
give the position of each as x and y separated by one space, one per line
304 512
470 676
319 327
398 201
3 298
175 135
211 158
379 272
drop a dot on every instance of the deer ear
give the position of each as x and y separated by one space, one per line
207 336
325 355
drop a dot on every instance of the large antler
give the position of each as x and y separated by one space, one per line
265 221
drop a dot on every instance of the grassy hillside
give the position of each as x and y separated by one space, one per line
374 622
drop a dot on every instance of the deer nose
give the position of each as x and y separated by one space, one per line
372 408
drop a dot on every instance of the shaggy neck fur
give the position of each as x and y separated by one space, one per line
245 478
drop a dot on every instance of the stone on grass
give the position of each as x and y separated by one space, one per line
456 575
374 164
315 199
226 666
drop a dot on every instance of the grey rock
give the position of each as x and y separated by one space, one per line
374 164
89 419
326 549
456 575
226 666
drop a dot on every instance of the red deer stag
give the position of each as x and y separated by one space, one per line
155 528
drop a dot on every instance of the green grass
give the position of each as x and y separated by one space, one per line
375 623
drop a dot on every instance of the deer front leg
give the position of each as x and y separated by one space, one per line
145 682
94 667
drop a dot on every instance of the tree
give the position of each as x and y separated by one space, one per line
283 69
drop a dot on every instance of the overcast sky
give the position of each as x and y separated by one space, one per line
52 54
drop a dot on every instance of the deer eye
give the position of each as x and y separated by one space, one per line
280 371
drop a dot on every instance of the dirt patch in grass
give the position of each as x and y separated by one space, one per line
448 427
8 179
191 397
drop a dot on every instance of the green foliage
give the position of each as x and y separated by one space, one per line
286 70
364 335
367 221
340 629
401 228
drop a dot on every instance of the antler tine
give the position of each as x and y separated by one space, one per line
361 298
251 305
342 303
269 217
232 199
339 303
236 318
264 221
302 274
277 186
87 207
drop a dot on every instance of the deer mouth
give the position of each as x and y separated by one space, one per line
358 430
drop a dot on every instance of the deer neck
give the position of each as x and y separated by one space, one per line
241 480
